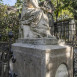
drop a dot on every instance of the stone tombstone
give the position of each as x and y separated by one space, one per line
37 52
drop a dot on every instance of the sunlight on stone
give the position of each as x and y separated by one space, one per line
48 74
47 58
68 53
62 71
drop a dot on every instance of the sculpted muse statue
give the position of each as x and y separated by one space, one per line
34 21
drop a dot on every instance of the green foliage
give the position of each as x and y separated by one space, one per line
0 0
8 21
68 7
18 5
62 9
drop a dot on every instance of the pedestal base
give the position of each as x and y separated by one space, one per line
43 60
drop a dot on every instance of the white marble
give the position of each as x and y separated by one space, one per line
34 21
62 71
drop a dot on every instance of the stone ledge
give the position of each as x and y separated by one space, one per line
42 47
39 41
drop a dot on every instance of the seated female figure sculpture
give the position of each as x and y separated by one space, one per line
34 21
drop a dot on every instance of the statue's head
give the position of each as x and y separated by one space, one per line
28 4
31 3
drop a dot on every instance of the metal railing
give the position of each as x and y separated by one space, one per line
66 30
6 57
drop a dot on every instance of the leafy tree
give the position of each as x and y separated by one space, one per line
68 7
18 5
8 21
72 6
0 0
61 9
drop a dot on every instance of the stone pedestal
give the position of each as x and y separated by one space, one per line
41 60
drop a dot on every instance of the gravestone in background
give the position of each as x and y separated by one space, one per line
37 52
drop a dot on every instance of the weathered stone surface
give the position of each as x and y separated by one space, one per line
34 21
39 41
37 52
41 60
62 71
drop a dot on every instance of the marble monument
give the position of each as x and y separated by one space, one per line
37 52
34 20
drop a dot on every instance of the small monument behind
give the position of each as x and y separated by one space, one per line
37 52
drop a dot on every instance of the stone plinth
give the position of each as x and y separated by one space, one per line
43 60
39 41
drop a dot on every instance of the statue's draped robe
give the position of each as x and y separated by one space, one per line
34 20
